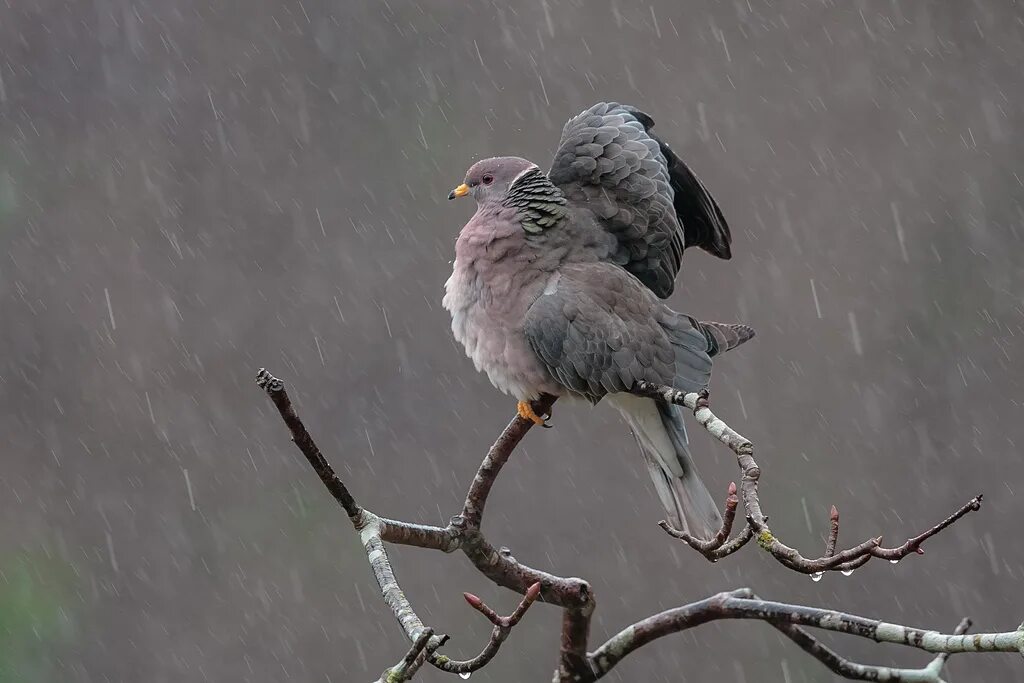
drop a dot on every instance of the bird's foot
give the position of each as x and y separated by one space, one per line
525 410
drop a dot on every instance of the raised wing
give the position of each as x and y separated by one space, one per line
609 162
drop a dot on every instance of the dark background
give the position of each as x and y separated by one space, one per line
192 190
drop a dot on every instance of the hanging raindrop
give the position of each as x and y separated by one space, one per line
847 572
816 576
465 676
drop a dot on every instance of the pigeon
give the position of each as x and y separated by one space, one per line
559 277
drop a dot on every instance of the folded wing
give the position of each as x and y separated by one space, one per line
597 332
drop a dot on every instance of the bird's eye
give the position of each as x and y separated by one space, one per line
488 179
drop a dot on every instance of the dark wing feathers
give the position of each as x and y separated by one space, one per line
698 211
639 190
599 332
703 224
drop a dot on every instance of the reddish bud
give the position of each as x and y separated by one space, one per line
474 601
732 488
834 514
533 592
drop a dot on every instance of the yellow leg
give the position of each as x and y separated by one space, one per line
526 412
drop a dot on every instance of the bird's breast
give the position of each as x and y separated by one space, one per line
488 305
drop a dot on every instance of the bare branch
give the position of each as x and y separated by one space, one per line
575 596
961 628
411 663
369 532
418 535
844 560
374 531
503 569
502 628
913 545
390 530
275 389
573 660
499 565
512 619
720 546
743 604
866 672
497 456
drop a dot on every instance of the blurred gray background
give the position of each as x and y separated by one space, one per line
192 190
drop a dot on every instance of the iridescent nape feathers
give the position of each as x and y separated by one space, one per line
540 204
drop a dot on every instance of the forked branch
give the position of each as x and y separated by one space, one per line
790 620
575 598
757 523
373 531
413 660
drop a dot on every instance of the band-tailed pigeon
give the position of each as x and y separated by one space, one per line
558 277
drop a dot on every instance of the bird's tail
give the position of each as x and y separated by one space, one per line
659 429
724 337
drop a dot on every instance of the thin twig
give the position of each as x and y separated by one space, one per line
708 547
275 389
833 532
733 544
502 628
866 672
512 619
913 545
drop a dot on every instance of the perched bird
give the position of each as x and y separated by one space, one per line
558 279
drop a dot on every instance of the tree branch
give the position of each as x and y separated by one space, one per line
275 390
743 604
369 533
844 560
866 672
502 627
497 456
575 596
411 663
374 530
719 546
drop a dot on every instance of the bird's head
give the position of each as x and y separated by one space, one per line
488 180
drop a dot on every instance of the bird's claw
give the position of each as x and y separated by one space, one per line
526 412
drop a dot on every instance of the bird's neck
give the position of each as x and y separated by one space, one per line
538 203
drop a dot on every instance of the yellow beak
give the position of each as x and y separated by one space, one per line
460 191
